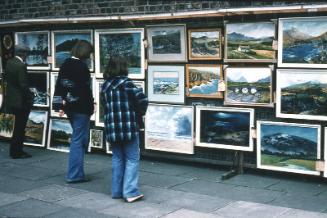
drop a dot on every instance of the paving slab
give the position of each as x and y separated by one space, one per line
9 184
158 195
163 168
6 198
190 214
252 180
77 213
295 213
206 174
160 180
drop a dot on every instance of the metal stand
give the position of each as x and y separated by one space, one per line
237 167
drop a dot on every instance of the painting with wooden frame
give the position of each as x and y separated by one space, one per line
36 127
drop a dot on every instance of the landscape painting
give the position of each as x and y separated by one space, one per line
288 147
301 94
165 83
7 122
39 50
96 139
169 128
226 128
302 42
60 133
124 43
39 85
250 42
35 131
248 86
204 44
202 80
99 116
167 43
64 41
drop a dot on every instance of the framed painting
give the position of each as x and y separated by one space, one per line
39 85
99 118
301 94
96 139
35 131
250 42
127 43
302 42
62 43
108 148
289 147
7 122
60 133
169 128
249 86
202 80
166 84
39 48
204 44
223 127
167 43
325 153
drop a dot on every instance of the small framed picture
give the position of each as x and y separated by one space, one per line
96 139
36 127
60 134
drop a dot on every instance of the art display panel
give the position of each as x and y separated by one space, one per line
7 122
127 43
249 86
39 85
169 128
302 42
223 127
204 44
250 42
167 43
36 127
202 80
301 94
96 139
288 147
60 134
99 118
166 84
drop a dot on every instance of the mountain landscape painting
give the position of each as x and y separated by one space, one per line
36 128
39 85
60 132
250 41
288 147
248 86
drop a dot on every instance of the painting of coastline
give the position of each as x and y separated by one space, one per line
202 80
302 94
288 147
35 131
165 83
248 86
169 128
303 42
38 44
227 128
60 133
6 125
204 44
64 41
96 139
39 85
250 42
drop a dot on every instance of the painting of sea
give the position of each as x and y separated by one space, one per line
60 133
35 131
165 83
39 85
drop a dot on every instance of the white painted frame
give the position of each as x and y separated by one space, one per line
49 136
91 145
44 135
47 88
98 86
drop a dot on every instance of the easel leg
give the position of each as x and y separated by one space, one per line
237 167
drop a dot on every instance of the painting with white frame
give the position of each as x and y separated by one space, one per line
108 148
36 127
288 147
325 153
39 85
225 128
99 118
96 139
166 84
60 133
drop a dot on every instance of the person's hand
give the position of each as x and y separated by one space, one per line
61 113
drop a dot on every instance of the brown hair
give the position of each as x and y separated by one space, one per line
82 49
117 66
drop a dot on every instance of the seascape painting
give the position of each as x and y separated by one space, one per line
301 94
251 42
38 44
204 44
248 86
96 139
60 133
303 42
7 122
288 147
227 128
39 85
35 131
169 128
202 80
165 83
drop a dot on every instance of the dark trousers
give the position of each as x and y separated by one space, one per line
17 140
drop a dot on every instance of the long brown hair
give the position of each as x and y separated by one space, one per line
82 49
117 66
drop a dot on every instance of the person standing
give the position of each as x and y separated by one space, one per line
124 106
18 99
73 96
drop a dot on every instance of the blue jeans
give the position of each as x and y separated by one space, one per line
79 142
125 169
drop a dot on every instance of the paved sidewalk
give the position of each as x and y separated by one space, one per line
35 187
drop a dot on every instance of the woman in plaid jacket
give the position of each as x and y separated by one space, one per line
124 106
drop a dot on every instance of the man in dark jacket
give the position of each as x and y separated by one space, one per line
18 99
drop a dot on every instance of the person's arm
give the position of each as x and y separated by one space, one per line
59 95
139 98
23 84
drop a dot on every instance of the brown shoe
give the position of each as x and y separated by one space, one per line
133 199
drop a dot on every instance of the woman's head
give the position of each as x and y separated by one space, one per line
117 66
82 49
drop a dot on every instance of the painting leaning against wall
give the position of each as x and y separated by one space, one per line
35 131
60 133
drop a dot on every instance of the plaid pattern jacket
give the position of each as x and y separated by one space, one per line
124 105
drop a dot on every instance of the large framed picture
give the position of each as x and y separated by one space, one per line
36 127
39 48
166 84
289 147
250 42
202 80
169 128
127 43
302 42
39 85
60 134
62 43
223 127
301 94
204 44
99 115
96 139
249 86
167 43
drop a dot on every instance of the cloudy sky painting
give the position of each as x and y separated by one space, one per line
250 74
291 78
255 30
